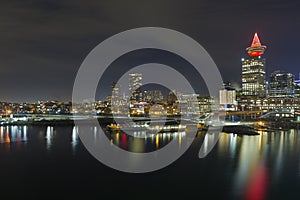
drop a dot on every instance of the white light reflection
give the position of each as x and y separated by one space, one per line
1 135
13 134
49 137
233 141
74 138
25 133
209 139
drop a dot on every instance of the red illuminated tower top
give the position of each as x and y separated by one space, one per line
256 49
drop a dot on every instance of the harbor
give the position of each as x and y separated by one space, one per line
267 123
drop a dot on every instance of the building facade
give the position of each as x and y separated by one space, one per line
281 84
227 98
297 87
135 87
254 71
153 96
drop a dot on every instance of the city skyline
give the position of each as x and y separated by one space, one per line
142 91
42 62
197 98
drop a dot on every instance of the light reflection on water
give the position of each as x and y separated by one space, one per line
19 135
49 137
145 142
74 139
256 164
262 161
13 134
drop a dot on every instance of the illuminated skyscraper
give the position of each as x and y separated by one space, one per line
253 71
153 96
116 99
116 95
281 84
135 87
297 87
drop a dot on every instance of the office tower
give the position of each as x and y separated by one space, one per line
153 96
281 84
297 87
116 94
135 87
253 71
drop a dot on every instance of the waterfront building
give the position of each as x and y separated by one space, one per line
297 87
281 84
139 109
227 98
254 71
189 104
268 104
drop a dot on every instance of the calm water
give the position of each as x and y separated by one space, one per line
38 161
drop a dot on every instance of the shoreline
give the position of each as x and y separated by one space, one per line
103 121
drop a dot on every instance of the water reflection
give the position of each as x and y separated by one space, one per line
13 134
250 178
257 165
74 139
211 138
49 137
146 142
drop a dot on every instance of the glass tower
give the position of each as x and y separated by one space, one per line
135 87
281 84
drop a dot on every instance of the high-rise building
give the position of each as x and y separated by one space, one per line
281 84
116 95
253 71
227 98
153 96
297 87
189 104
135 87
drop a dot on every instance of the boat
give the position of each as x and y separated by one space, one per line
113 127
151 127
127 126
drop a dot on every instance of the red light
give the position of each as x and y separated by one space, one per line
256 49
255 41
124 141
256 189
255 53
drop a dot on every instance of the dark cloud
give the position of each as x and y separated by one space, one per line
43 42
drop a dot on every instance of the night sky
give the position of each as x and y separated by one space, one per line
43 43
